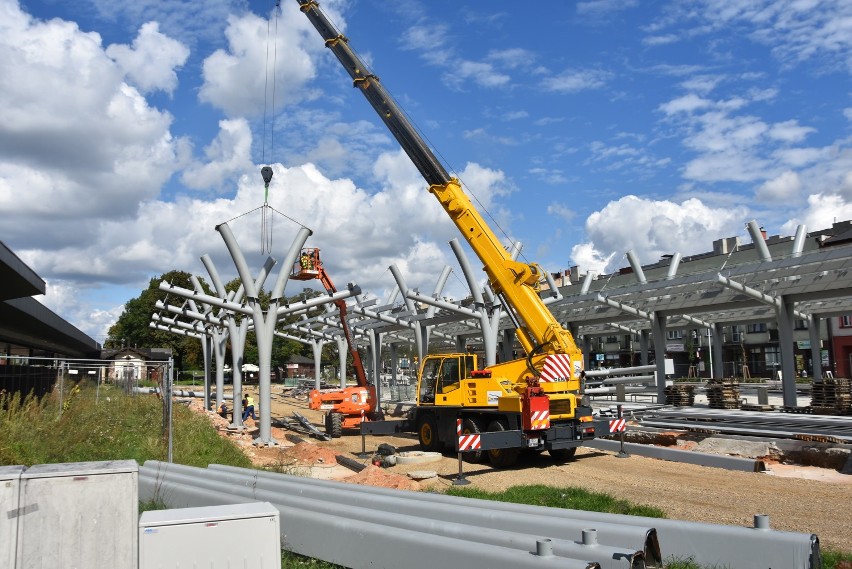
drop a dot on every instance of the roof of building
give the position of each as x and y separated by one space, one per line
18 280
147 354
26 322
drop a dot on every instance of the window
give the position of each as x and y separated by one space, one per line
449 375
801 324
428 378
612 339
674 334
736 333
755 328
846 321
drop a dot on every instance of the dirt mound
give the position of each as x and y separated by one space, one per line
310 454
375 476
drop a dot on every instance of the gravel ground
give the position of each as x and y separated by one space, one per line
802 500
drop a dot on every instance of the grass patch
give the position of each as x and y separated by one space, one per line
290 560
832 559
106 424
569 498
93 424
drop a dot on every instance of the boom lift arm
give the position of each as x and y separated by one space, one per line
515 282
309 266
348 406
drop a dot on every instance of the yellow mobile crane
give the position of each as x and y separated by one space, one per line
534 402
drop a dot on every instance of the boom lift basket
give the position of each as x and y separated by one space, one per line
307 266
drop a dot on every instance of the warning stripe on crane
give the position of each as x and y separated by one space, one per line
540 420
557 367
471 441
617 425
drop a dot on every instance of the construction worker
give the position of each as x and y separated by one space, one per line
248 409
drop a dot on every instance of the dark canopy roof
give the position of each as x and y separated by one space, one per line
26 322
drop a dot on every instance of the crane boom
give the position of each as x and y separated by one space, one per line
515 282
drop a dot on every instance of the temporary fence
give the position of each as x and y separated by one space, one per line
61 378
389 520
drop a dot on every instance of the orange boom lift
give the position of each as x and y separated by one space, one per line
348 407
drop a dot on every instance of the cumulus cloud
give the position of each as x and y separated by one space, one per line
151 60
730 145
784 187
228 156
825 209
651 229
239 80
77 143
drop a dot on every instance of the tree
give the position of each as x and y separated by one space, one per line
132 327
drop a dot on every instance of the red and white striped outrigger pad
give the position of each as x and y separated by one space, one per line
557 367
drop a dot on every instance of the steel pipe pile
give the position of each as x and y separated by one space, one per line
754 423
707 544
366 537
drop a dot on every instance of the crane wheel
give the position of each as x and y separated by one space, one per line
560 455
334 425
427 433
501 457
470 426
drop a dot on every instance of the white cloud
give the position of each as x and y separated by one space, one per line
652 229
685 104
240 81
562 211
76 143
575 80
600 8
549 176
67 298
790 131
784 187
825 209
151 61
483 74
796 31
589 259
228 156
513 58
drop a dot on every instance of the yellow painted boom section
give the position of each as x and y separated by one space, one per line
517 281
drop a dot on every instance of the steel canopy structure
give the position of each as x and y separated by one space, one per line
779 280
774 280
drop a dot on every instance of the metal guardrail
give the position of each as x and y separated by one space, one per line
320 518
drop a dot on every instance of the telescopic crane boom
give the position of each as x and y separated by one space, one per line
538 330
532 402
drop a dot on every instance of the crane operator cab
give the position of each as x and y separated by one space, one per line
307 266
443 374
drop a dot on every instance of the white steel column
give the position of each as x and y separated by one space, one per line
816 352
658 329
786 316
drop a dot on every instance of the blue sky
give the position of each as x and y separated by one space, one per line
128 131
